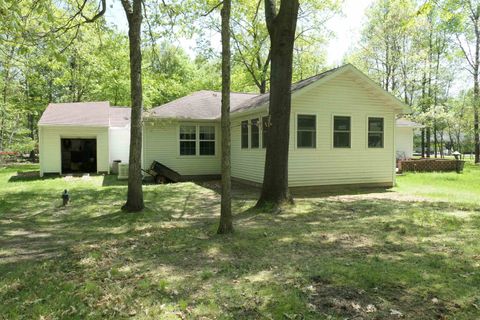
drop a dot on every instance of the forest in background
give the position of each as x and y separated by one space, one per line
425 53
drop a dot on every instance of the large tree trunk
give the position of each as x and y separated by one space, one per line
135 193
226 225
281 27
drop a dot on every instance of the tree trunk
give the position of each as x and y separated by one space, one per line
281 27
423 142
135 193
428 141
226 224
476 100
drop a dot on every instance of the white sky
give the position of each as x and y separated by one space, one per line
346 27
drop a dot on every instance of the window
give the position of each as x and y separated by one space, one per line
207 140
255 134
306 131
244 134
341 132
375 132
188 140
265 124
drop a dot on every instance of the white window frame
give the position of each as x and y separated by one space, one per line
241 134
197 139
185 140
296 130
250 124
368 131
207 140
332 131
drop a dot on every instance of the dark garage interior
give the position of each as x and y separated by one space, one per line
79 155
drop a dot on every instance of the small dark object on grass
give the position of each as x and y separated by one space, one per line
65 197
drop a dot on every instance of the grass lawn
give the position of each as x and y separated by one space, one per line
410 252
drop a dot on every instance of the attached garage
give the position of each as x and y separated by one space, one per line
74 137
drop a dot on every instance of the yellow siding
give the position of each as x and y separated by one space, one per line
326 165
161 143
50 152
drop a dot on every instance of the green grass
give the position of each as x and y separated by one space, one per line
414 250
451 187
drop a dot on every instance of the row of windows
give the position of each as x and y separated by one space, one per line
307 132
254 133
191 136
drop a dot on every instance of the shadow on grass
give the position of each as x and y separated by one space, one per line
322 257
111 180
26 176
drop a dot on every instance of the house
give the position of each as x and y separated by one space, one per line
342 132
404 137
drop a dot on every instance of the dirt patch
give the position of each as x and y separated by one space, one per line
346 302
354 303
395 196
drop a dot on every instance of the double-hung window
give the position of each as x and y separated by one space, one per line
306 131
341 132
255 134
188 140
375 132
207 140
265 124
192 136
244 133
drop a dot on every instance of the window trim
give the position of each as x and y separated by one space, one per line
207 140
263 141
197 126
296 129
187 140
332 132
251 133
368 131
241 135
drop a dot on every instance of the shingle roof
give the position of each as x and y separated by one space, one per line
120 116
207 104
402 122
203 104
264 98
78 113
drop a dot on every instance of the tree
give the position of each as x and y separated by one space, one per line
135 193
405 48
251 44
468 35
281 27
226 225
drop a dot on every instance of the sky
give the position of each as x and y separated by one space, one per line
346 28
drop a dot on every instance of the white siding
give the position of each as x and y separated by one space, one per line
325 165
161 143
404 142
50 150
247 164
119 144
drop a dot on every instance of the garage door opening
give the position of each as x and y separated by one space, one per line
79 155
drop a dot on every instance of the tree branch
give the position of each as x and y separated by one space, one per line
212 9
